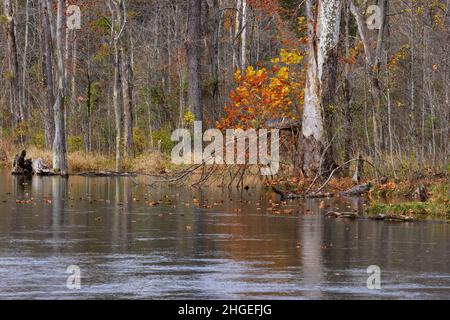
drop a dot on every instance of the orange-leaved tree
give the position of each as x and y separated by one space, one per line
263 95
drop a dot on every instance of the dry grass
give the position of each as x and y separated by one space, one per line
7 153
150 163
83 162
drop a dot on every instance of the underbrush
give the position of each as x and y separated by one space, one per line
438 204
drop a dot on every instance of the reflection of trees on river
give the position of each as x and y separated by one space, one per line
58 199
122 219
311 233
21 185
59 195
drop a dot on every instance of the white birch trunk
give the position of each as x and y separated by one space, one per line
324 36
236 33
244 35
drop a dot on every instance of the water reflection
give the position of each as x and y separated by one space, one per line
232 248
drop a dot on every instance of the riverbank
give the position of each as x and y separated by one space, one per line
393 197
148 163
421 198
402 199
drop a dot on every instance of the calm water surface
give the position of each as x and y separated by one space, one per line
127 248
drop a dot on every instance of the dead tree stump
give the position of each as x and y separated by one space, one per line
421 193
21 165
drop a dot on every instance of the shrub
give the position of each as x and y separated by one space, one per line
38 140
163 138
75 143
140 143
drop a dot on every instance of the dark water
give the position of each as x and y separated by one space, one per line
126 248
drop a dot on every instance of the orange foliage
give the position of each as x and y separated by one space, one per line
269 7
266 94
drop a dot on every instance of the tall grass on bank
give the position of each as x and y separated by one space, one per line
80 161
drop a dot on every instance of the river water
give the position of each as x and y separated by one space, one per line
204 244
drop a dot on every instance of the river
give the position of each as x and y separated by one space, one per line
204 244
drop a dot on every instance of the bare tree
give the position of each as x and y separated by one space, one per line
244 35
373 61
117 27
127 82
59 143
16 106
323 29
193 45
47 74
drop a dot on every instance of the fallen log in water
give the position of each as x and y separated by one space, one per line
381 217
290 196
40 169
286 195
319 195
343 215
100 174
358 190
393 218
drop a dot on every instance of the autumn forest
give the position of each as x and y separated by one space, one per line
225 149
353 78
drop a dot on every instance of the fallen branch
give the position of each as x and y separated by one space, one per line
343 215
286 195
358 190
99 174
313 195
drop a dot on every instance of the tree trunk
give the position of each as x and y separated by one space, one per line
347 95
127 86
235 36
13 64
117 83
24 60
373 67
59 143
47 72
244 36
323 32
194 39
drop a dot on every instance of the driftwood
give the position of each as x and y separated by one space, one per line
380 217
343 215
286 195
290 196
358 190
100 174
319 195
393 218
39 168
